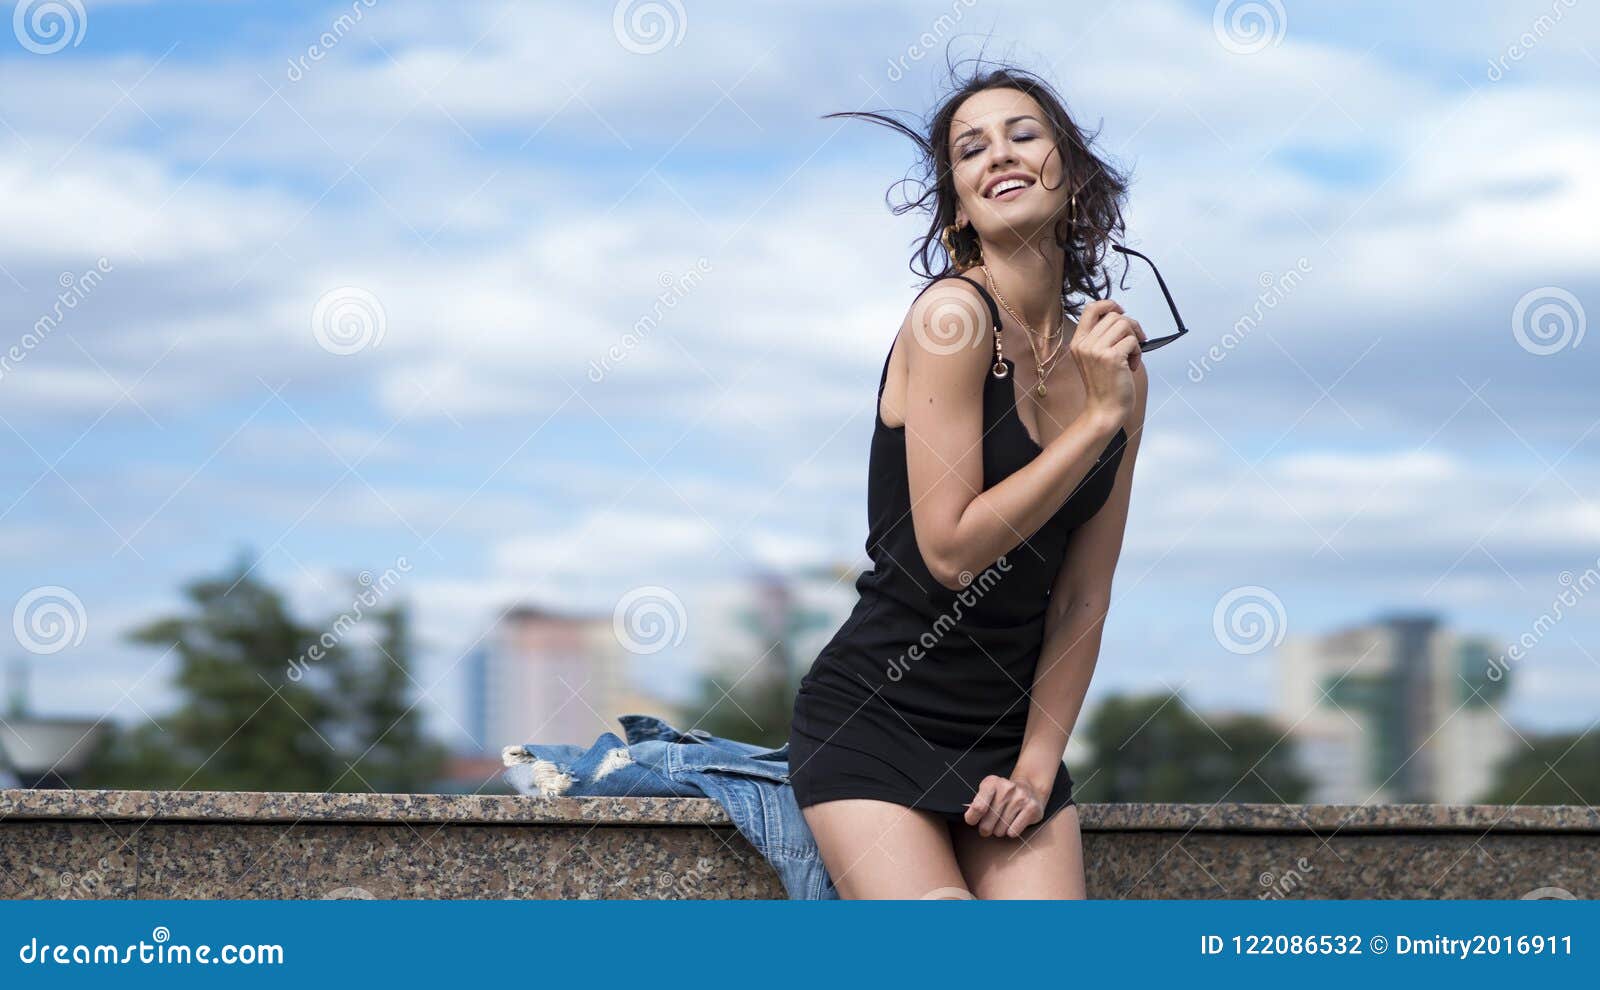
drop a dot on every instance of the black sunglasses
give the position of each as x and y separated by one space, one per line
1152 344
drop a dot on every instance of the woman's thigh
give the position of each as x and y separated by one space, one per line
878 850
1045 863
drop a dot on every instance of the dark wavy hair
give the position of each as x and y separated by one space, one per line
1084 237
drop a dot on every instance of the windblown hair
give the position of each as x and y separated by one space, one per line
1084 236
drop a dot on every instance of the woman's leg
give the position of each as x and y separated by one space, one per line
878 850
1044 863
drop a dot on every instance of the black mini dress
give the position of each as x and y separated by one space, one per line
924 690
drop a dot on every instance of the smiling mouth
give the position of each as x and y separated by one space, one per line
1010 189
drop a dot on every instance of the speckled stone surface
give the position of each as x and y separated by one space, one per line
198 844
213 844
1341 817
515 809
67 862
298 807
1450 865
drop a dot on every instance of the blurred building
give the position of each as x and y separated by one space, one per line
545 676
37 751
550 676
1396 711
770 625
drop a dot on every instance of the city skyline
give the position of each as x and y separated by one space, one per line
556 323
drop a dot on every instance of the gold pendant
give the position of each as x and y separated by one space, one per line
1041 388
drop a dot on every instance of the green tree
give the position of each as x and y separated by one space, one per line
760 688
269 703
1152 748
756 708
1562 768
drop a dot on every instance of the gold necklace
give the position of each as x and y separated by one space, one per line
1025 325
1045 365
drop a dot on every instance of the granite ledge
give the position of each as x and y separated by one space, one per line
1343 818
17 804
249 806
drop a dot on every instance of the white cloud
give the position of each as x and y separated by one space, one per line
504 269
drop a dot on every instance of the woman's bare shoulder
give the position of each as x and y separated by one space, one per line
948 316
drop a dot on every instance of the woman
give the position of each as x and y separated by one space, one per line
927 739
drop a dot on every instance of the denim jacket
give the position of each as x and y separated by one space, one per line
657 760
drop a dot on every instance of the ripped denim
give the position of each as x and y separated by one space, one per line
657 760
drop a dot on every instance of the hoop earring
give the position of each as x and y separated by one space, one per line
947 238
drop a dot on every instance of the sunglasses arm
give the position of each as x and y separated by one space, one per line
1159 281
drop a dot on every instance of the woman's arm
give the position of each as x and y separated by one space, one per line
1079 602
960 527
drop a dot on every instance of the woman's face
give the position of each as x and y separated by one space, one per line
999 138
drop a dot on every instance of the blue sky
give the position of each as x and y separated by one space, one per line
512 182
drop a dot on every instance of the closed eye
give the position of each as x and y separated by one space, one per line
972 150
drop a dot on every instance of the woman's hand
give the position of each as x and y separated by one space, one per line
1005 806
1106 349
